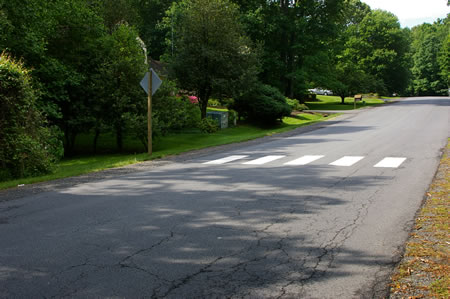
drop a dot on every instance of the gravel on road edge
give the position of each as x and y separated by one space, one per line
424 270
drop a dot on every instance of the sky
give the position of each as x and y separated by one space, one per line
413 12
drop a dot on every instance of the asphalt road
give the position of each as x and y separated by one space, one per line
279 219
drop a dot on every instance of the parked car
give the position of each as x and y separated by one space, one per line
321 91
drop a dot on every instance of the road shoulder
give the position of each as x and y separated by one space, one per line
424 271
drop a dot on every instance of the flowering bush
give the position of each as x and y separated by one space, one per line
193 99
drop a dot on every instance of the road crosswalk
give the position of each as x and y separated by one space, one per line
346 161
304 160
263 160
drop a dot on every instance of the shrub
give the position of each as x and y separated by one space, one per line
302 107
137 125
232 117
262 104
213 103
169 113
226 102
208 125
295 105
27 146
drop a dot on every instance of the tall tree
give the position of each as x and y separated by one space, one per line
117 12
347 75
69 44
212 56
58 40
444 61
118 79
295 35
383 48
151 14
428 58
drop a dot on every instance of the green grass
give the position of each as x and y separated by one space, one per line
391 98
168 145
334 103
79 165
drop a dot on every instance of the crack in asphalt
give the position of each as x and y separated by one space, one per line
226 278
67 291
241 266
331 248
299 265
141 251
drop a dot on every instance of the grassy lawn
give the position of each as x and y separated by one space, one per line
168 145
390 98
424 271
334 103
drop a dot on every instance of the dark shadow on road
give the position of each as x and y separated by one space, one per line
156 234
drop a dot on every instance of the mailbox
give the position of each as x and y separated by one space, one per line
358 97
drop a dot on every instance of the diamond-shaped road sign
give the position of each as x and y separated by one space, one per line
156 82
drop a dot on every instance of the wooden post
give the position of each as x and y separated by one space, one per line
149 113
358 97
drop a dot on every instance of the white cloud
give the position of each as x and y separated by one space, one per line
413 12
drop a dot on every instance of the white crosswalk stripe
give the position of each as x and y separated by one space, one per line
390 162
304 160
263 160
347 161
226 160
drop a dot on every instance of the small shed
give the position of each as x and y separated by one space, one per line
221 117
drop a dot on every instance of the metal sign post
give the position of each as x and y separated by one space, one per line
150 84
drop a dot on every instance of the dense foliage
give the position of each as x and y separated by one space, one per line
27 146
263 104
371 54
85 61
211 54
173 112
431 59
295 36
170 113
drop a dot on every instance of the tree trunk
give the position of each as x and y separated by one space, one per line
119 138
144 142
290 67
203 108
287 52
342 100
67 148
97 133
69 136
203 98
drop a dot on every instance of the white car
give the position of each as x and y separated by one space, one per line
321 91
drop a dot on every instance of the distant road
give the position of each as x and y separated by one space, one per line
318 215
